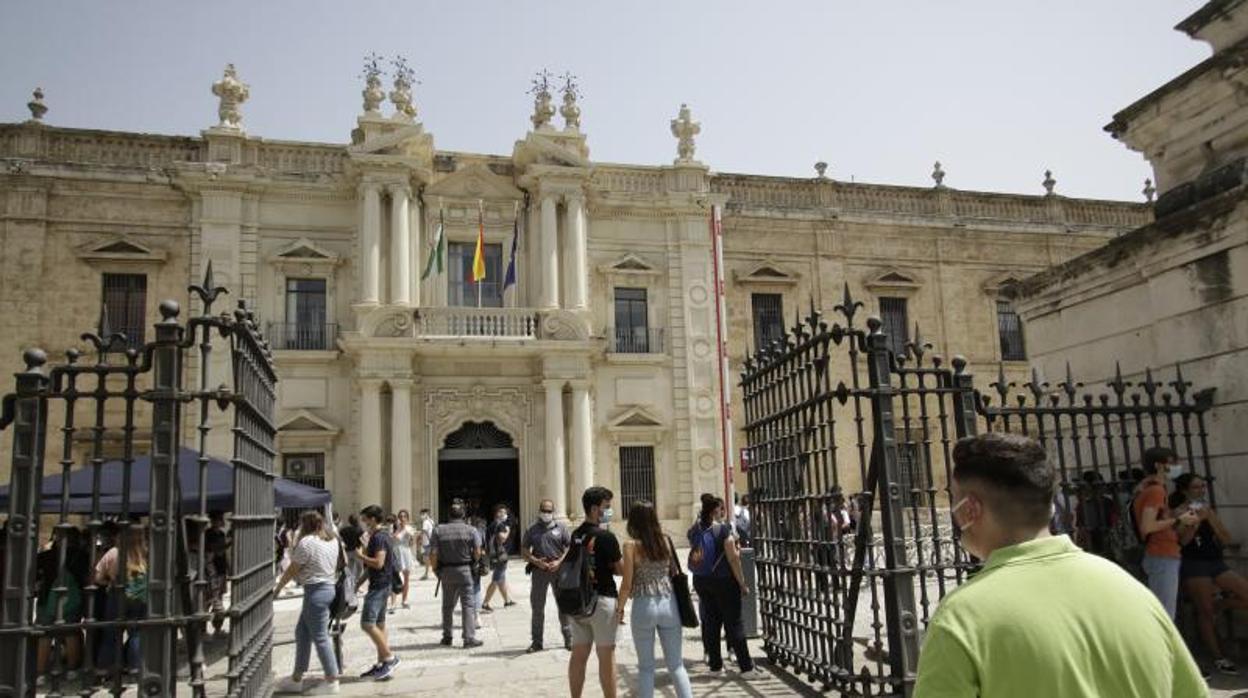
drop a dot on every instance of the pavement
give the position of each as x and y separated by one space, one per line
501 667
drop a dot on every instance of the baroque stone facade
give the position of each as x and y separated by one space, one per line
596 366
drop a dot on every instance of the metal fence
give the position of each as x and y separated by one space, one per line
128 628
849 446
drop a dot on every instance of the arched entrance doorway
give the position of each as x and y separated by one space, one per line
479 464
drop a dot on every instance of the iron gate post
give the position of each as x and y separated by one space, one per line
963 399
901 610
28 410
159 675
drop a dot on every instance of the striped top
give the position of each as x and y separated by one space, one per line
317 560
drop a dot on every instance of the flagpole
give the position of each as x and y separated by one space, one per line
480 247
721 332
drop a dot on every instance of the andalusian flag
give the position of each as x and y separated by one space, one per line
437 252
478 258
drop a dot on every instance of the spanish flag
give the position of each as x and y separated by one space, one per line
478 258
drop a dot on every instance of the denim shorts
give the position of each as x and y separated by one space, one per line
500 573
373 610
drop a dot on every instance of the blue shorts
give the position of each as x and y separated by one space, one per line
373 610
500 573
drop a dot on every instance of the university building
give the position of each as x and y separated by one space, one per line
405 382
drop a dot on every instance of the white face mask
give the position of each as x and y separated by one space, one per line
1174 471
952 513
546 517
607 514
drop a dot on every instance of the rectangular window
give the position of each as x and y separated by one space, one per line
463 292
768 309
636 475
632 331
305 326
1010 328
912 471
125 302
896 323
304 468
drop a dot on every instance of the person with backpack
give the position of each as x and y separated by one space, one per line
585 591
497 543
314 562
454 550
715 563
1160 527
379 563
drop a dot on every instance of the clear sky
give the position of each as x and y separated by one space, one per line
997 90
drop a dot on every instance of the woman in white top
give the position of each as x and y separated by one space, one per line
405 543
314 564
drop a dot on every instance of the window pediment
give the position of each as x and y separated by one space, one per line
1003 285
471 182
893 280
307 257
629 265
305 430
636 424
306 421
120 249
768 272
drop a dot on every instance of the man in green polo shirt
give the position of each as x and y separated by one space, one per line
1042 618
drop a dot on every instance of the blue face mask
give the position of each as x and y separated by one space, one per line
606 515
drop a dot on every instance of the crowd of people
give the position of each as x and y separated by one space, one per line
376 554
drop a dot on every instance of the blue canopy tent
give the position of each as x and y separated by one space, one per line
219 478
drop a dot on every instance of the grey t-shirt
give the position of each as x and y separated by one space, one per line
455 543
547 541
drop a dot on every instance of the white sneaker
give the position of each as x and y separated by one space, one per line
288 685
323 688
751 674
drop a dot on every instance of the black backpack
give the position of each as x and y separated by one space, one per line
575 591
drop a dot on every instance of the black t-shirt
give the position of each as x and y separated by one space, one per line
606 554
1204 545
378 541
351 536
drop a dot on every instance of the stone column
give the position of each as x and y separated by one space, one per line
370 242
401 444
582 451
415 214
370 442
578 273
556 478
550 254
400 255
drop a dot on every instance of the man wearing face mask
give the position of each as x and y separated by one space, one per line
1160 528
1019 628
544 546
597 631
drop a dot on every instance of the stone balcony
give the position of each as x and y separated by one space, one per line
459 322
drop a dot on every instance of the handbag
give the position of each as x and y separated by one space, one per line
680 589
344 602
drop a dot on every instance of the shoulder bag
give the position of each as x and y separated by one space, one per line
680 589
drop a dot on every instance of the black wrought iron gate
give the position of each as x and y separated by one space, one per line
850 459
126 631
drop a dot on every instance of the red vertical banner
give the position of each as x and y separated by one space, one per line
721 332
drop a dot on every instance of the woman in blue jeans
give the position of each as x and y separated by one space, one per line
314 564
715 564
648 561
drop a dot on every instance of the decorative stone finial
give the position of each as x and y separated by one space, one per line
1049 182
938 175
570 111
373 93
1149 190
36 106
401 96
543 110
821 169
232 93
685 128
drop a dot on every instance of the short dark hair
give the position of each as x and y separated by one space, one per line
595 496
457 512
373 512
1156 455
1016 471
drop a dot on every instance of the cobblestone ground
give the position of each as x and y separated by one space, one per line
501 667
